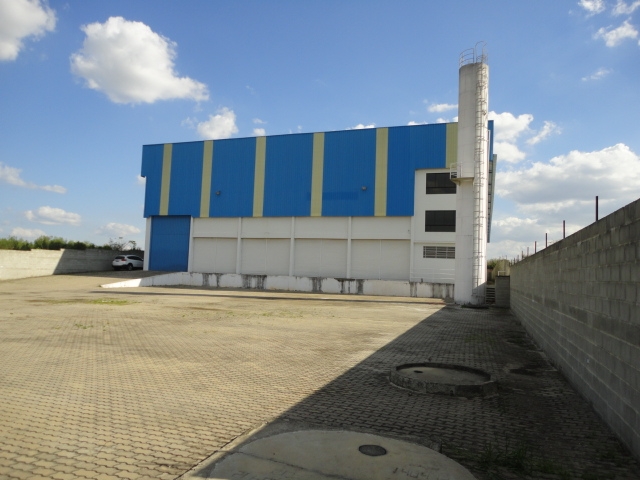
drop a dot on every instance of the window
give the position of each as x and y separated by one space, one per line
438 252
440 221
440 183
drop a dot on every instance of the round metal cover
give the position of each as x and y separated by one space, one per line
457 380
372 450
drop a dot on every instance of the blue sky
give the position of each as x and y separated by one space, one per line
83 85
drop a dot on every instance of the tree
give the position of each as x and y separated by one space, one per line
122 245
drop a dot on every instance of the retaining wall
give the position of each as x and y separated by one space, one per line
295 284
580 300
37 263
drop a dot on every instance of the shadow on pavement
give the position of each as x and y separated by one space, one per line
536 426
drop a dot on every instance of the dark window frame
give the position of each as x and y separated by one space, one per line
440 221
440 183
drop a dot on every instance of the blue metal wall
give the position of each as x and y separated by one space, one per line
186 179
287 185
400 173
169 249
428 146
152 171
232 176
348 164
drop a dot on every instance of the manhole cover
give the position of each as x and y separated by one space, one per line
442 378
372 450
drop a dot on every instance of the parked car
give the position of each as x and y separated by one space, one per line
128 262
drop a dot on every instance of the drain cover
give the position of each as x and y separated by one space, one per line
454 380
372 450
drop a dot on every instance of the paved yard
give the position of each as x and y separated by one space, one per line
147 383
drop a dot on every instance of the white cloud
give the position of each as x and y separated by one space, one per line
259 132
612 173
614 36
117 230
597 75
361 126
20 19
52 216
564 189
11 176
257 121
441 107
622 8
592 6
189 122
508 152
508 127
221 125
26 232
130 63
513 249
547 129
140 180
514 228
413 122
508 130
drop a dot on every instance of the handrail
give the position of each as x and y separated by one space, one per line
477 54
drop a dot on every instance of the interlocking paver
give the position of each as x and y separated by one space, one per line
149 388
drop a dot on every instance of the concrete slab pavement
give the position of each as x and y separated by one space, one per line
335 454
149 382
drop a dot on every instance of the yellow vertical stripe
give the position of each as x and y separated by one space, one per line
452 144
317 171
382 156
166 178
258 182
207 165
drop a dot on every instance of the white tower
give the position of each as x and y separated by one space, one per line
471 175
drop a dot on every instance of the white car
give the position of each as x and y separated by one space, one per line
128 262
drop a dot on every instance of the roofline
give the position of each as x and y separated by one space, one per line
301 133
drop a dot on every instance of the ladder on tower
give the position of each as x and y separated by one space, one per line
480 164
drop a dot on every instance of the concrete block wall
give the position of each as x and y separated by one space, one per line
503 292
580 300
16 264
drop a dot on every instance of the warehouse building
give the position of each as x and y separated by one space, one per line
397 210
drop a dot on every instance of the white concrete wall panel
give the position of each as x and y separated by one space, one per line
266 227
214 255
215 227
424 202
254 256
278 256
334 258
320 258
365 259
307 257
380 259
296 284
394 260
398 228
433 270
322 227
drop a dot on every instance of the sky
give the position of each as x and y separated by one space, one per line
85 84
